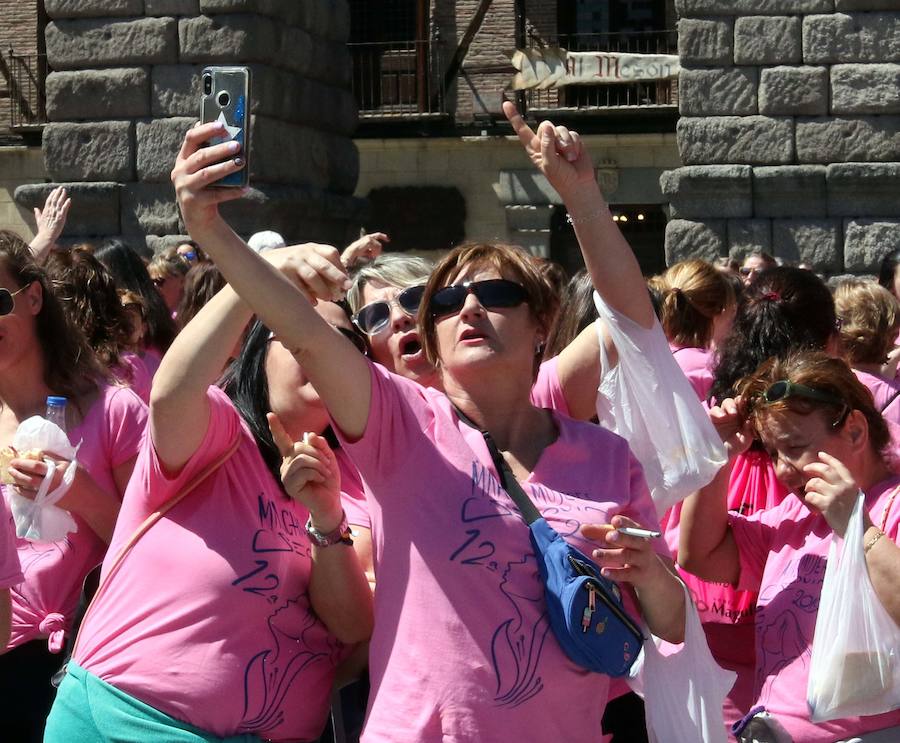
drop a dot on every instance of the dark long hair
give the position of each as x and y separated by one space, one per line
202 283
887 270
784 310
247 385
576 312
70 366
130 273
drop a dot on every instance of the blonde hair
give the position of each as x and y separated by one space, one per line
869 318
692 294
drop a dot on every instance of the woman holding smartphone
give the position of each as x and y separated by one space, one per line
461 649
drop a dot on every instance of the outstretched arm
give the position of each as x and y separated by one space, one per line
274 298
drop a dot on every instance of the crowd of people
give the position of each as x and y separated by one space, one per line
285 469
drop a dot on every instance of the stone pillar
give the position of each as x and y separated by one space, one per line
789 132
125 87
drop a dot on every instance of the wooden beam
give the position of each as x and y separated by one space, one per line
465 42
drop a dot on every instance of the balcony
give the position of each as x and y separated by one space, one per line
24 76
394 80
651 94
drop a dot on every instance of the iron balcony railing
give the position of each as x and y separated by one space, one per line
658 93
24 76
397 79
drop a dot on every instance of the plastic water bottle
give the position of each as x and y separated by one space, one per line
56 411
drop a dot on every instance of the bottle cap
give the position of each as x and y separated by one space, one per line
56 401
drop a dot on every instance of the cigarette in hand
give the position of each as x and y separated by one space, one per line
630 531
306 437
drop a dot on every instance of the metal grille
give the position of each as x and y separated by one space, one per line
25 75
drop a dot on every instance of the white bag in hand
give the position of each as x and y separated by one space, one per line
647 400
39 520
855 666
684 689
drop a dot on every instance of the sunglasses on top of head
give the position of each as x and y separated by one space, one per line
375 317
491 294
7 299
783 389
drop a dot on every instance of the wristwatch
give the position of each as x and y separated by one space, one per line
340 534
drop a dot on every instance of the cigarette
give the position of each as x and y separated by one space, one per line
630 531
306 437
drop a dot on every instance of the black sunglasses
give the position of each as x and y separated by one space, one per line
491 293
783 389
7 299
374 317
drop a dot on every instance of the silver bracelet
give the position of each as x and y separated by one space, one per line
589 217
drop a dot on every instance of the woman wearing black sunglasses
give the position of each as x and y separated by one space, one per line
461 647
828 442
43 353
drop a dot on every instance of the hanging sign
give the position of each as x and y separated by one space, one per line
554 67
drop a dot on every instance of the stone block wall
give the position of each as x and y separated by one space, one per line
789 132
125 86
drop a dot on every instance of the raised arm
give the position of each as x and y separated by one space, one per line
50 221
560 155
274 298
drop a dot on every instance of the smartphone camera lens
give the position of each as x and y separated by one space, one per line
223 99
207 84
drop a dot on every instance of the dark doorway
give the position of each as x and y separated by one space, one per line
642 225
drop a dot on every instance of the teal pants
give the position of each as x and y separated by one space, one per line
88 710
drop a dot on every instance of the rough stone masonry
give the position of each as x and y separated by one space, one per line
124 87
789 132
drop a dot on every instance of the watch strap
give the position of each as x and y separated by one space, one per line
340 534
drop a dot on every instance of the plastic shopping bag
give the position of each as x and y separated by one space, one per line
646 399
855 666
39 520
683 687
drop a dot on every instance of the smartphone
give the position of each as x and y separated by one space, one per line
226 98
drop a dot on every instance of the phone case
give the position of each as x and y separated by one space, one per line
226 98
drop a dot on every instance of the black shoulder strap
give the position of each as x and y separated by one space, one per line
507 478
890 400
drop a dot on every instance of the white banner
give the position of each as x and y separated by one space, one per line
554 67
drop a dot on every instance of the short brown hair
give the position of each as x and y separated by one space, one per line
505 259
693 293
869 319
823 373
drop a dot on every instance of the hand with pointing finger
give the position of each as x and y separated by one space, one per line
309 474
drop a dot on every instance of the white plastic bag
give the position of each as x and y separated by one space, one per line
855 665
647 400
683 687
39 520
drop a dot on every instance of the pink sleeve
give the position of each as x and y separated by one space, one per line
752 536
353 496
153 484
10 570
398 414
126 419
547 390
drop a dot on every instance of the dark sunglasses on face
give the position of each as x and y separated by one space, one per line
491 294
375 317
783 389
7 299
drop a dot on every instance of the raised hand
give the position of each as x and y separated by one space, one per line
366 248
556 151
315 268
734 427
309 474
196 167
51 220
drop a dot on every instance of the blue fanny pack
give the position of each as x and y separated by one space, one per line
585 609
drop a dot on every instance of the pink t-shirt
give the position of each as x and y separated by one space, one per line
885 392
462 649
353 495
44 604
783 553
695 363
547 391
208 619
136 374
10 570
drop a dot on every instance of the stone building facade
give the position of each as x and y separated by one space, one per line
789 132
124 87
